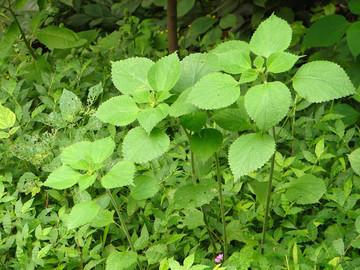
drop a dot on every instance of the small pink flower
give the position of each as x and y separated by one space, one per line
219 258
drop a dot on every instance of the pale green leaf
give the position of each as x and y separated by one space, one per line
7 118
354 159
121 260
250 152
307 189
214 91
86 181
150 117
62 178
182 105
267 104
321 81
82 213
118 111
70 105
140 147
120 175
281 61
103 218
194 195
249 75
55 37
272 35
206 143
145 187
353 38
165 73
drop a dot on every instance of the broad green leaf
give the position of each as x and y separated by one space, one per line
353 40
165 73
55 37
231 56
250 152
145 187
7 118
194 121
70 105
232 119
184 6
318 35
206 143
306 189
150 117
228 21
140 147
321 81
214 91
193 218
182 105
249 75
130 75
86 181
82 213
102 219
354 159
120 175
280 62
273 35
8 39
62 178
267 104
354 6
118 111
143 241
121 260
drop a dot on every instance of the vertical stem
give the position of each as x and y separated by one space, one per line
172 26
268 198
293 127
122 224
221 199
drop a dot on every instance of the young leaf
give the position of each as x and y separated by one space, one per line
354 159
140 147
120 175
86 181
70 105
352 38
268 103
165 73
205 143
55 37
62 178
214 91
250 152
81 214
118 111
121 260
7 118
321 81
281 61
249 75
130 75
145 187
272 35
149 118
307 189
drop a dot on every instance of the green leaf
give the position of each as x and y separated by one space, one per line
205 143
184 6
267 104
81 214
86 181
272 35
70 105
121 260
354 159
321 81
145 187
8 39
165 73
249 75
354 6
307 189
55 37
232 119
7 118
150 117
231 56
130 75
250 152
352 38
140 147
357 224
62 178
194 195
120 175
182 105
194 121
214 91
102 219
281 61
118 111
318 35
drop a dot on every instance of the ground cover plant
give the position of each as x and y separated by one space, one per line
243 155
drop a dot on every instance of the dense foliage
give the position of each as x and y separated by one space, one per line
239 151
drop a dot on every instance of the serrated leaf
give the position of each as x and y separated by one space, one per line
281 61
121 260
62 178
250 152
307 189
273 35
82 213
321 81
103 218
165 73
352 38
140 147
205 143
70 105
7 118
86 181
120 175
194 195
144 187
267 104
214 91
194 121
150 117
354 159
55 37
130 75
232 119
182 105
118 111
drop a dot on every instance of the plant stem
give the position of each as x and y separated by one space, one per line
268 198
122 224
221 199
